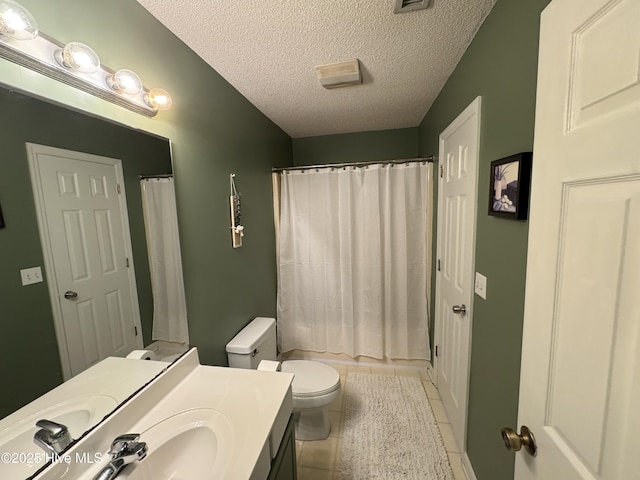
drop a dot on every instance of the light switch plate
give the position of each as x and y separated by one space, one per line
31 275
481 285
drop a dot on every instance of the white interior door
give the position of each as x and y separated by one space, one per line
580 378
457 187
85 234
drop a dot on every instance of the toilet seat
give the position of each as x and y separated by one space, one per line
311 379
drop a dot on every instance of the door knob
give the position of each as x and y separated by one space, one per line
514 442
69 295
461 309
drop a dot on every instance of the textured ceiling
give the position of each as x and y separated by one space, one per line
268 50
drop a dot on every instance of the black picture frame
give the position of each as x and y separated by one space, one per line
2 225
512 175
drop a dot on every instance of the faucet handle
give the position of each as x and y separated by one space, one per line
55 430
121 442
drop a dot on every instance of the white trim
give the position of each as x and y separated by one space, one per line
473 109
468 468
33 150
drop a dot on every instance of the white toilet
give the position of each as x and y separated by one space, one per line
315 385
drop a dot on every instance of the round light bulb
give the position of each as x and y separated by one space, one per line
16 21
159 99
80 57
125 81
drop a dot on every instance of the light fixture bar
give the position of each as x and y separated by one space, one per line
38 55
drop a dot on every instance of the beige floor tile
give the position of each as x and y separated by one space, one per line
456 465
407 372
424 374
358 369
319 454
382 371
438 411
299 445
307 473
448 438
336 424
431 389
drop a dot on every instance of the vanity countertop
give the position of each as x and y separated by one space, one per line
247 411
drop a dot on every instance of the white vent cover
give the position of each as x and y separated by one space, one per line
410 5
340 74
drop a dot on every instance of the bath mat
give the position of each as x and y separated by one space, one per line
390 432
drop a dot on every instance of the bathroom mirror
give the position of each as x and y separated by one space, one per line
30 354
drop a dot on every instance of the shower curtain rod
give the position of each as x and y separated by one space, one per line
429 159
160 175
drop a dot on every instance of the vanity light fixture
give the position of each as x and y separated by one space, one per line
79 57
16 21
158 98
75 63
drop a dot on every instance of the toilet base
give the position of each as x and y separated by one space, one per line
312 423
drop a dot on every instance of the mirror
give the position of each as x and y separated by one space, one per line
30 353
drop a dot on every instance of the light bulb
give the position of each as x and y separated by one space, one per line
16 21
125 81
79 57
159 99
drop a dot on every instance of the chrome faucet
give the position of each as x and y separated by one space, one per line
124 450
52 437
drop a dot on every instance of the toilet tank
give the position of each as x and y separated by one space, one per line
254 343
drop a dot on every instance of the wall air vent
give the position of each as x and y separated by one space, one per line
403 6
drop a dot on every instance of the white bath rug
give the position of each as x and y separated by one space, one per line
390 432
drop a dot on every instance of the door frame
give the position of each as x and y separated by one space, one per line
33 150
474 109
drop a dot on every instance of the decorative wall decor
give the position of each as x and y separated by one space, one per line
509 184
237 229
2 225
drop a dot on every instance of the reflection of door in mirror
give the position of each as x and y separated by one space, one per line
84 228
26 314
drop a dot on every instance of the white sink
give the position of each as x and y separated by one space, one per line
184 446
25 457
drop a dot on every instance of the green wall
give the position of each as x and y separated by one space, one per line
500 65
26 311
214 131
356 147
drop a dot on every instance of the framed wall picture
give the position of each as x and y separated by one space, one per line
2 225
509 184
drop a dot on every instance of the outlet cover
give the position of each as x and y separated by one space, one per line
31 275
481 285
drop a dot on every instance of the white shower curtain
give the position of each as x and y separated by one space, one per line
165 261
354 260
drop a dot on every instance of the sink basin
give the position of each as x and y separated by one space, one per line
185 446
26 457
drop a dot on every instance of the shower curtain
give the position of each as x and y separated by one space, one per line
165 261
354 260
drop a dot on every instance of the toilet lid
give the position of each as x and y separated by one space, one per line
311 378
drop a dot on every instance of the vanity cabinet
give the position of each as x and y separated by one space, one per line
283 467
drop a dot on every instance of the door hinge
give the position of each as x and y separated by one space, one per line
135 330
441 171
126 261
118 188
436 350
438 264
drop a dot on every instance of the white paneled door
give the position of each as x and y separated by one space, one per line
580 378
457 187
85 235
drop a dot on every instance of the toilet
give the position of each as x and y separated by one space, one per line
315 385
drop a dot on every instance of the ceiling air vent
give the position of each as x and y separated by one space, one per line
403 6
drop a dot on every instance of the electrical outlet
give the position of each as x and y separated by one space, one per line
31 275
481 285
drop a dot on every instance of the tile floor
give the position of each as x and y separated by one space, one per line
319 460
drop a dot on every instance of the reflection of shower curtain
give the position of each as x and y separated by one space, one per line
354 260
165 261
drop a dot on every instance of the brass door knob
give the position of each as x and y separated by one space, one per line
514 442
